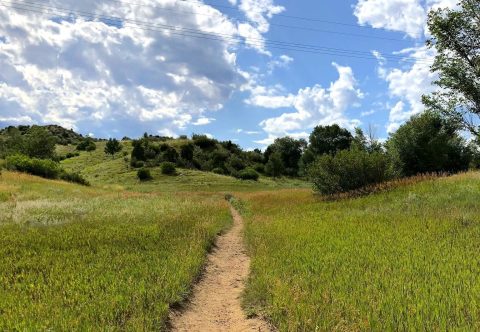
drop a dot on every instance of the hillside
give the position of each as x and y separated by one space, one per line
103 170
63 136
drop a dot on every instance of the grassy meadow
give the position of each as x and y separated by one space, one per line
106 171
405 260
80 258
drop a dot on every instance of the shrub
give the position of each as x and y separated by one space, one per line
259 168
72 155
144 174
113 146
87 145
218 170
74 177
168 168
348 170
41 167
248 174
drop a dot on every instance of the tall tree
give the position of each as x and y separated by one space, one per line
330 139
290 151
456 39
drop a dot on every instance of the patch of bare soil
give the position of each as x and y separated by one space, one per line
216 300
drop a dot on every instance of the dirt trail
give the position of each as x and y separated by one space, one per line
216 300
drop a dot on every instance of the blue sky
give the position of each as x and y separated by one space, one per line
225 68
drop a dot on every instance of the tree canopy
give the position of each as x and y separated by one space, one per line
456 39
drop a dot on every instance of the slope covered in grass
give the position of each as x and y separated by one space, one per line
400 260
76 258
103 170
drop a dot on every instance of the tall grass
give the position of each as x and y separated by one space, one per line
75 258
400 260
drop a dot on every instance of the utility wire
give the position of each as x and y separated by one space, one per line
188 32
285 26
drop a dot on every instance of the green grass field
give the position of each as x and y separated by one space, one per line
117 255
77 258
400 260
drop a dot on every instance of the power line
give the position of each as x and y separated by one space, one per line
211 36
286 26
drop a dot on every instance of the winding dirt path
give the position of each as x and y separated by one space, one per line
216 300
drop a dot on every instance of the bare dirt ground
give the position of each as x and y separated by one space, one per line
216 300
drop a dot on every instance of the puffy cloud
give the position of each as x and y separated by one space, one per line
114 76
407 16
313 106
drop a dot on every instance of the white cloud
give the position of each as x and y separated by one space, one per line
91 75
406 16
314 106
203 121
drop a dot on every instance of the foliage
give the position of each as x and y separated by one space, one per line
87 144
144 174
113 146
186 151
41 167
168 168
348 170
290 151
427 143
329 139
404 260
74 178
455 35
35 142
45 168
62 136
274 166
248 174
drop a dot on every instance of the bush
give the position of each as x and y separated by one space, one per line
72 155
87 145
259 168
218 170
41 167
248 174
74 177
348 170
168 168
144 174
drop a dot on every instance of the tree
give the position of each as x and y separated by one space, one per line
290 151
39 143
186 151
274 166
87 145
329 139
455 37
428 143
113 146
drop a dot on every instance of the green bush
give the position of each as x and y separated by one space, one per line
168 168
349 170
74 177
259 168
41 167
248 174
87 145
218 170
144 174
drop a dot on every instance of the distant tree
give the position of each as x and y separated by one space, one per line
290 151
274 166
39 143
11 142
455 37
427 143
113 146
330 139
87 145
